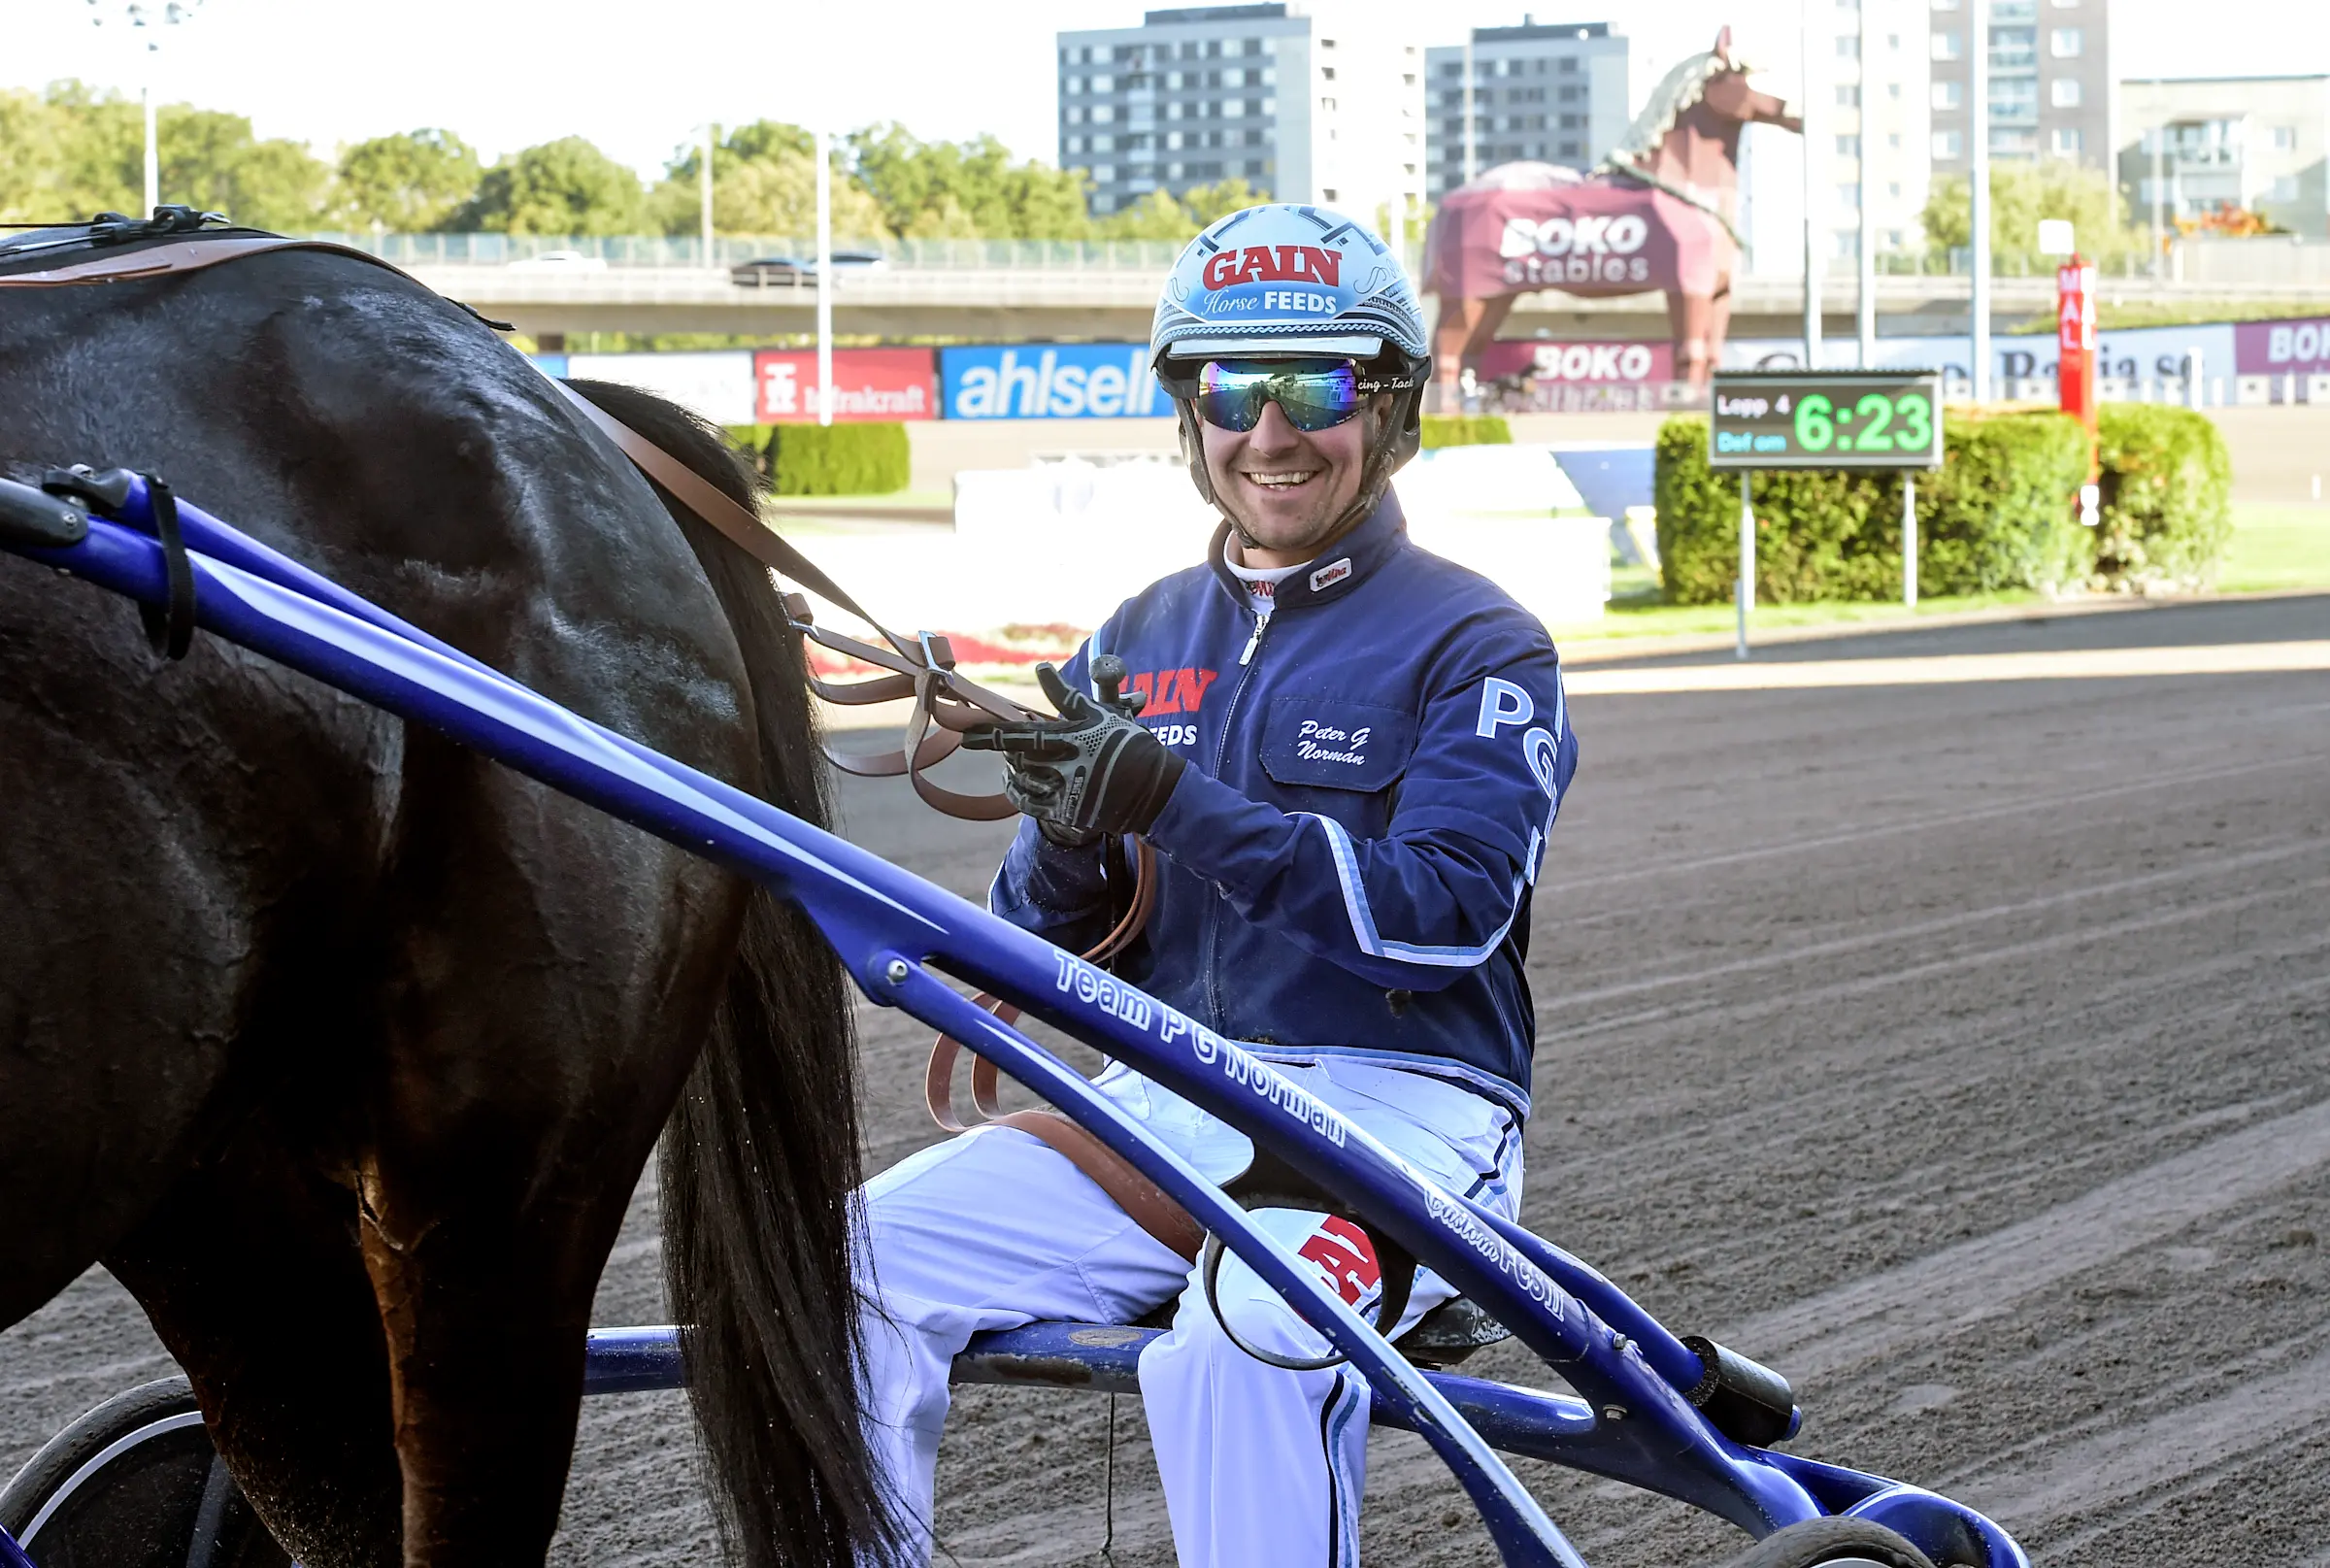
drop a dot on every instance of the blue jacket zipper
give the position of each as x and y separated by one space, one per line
1222 751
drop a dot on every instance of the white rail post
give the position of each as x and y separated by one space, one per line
711 135
1909 538
1816 159
1868 237
1745 593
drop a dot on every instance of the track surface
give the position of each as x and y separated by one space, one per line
1963 1049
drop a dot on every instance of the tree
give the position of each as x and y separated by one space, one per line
567 187
966 187
409 182
764 182
71 152
1155 216
210 160
1207 204
2021 195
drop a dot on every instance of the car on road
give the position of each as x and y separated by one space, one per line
769 272
560 261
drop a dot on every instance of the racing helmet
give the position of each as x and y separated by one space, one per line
1286 280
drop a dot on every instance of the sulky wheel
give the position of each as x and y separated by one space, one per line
1833 1543
135 1483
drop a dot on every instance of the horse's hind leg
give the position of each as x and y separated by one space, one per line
252 1274
540 1023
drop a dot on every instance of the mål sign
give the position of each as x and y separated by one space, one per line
1794 418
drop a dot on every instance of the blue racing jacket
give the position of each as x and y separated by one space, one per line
1348 858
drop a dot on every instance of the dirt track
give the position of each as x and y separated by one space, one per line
1962 1049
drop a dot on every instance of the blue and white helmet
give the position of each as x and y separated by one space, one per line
1282 278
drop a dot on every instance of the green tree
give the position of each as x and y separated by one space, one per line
212 161
71 152
1204 204
764 182
409 182
2021 195
566 187
1155 216
946 188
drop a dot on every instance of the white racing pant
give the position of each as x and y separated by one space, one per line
995 1229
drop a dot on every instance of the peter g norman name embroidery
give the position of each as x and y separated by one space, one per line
1315 742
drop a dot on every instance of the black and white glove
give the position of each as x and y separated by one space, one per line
1091 770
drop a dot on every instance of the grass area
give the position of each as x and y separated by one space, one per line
2276 548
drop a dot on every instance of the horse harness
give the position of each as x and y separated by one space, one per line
116 248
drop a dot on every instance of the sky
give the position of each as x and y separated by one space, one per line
638 76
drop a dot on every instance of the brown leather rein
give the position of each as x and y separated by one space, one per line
920 668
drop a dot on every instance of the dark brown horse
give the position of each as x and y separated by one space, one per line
1658 213
343 1047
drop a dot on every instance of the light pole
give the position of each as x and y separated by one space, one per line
148 21
1978 74
711 136
1472 163
1868 144
825 155
1814 122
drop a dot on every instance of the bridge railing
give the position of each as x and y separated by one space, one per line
727 250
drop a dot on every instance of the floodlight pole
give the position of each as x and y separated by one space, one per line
825 153
1814 122
1978 193
1472 161
1744 593
153 147
711 135
1868 256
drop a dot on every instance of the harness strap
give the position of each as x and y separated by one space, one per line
170 626
1143 1201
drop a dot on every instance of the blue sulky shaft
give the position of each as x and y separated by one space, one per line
887 925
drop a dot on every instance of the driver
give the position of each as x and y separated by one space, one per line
1347 754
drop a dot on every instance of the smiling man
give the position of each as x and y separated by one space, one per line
1347 753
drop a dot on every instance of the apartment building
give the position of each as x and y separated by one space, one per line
1878 122
2190 145
1540 93
1305 103
2051 81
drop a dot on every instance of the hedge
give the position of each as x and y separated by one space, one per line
2167 504
2000 513
868 458
1466 430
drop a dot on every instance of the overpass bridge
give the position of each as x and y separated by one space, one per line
1018 291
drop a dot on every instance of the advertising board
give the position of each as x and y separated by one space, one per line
2298 347
718 384
1049 381
1579 364
1826 420
868 383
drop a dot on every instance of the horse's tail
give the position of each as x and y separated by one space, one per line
761 1156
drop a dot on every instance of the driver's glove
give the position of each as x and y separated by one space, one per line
1093 770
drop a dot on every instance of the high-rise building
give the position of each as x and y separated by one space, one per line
1876 123
2050 82
2257 143
1541 93
1303 103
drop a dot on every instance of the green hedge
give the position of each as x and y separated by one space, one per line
2167 505
870 459
1999 514
1466 430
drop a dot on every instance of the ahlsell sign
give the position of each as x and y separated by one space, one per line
1051 380
868 383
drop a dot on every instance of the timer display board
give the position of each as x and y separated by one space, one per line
1795 418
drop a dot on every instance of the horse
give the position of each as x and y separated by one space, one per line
343 1048
1657 214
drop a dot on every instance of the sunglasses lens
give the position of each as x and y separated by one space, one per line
1230 394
